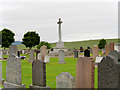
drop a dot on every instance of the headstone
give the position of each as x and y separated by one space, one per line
38 74
107 50
13 50
108 73
65 80
85 73
1 54
31 56
46 59
39 56
117 47
81 49
61 56
111 46
115 55
0 73
18 53
98 60
75 54
13 70
43 52
86 53
95 51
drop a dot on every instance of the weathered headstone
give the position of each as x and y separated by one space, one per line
13 70
0 73
95 51
39 56
38 74
46 59
108 73
43 52
75 54
115 55
85 73
31 56
86 53
61 56
65 80
107 50
111 46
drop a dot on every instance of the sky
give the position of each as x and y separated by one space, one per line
82 19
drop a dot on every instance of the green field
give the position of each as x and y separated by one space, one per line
52 70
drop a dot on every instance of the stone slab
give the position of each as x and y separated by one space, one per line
39 73
85 73
65 80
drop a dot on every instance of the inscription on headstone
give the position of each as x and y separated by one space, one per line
65 80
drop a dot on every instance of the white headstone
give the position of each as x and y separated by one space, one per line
39 56
98 60
117 47
47 59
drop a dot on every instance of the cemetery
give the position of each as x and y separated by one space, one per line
83 68
36 64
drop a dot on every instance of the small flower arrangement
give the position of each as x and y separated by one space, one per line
23 57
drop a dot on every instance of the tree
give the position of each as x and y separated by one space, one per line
31 39
7 38
102 43
44 43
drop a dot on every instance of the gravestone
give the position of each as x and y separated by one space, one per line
75 54
117 47
38 74
86 53
115 55
108 73
95 51
107 50
85 73
46 59
13 70
1 55
61 57
65 80
98 60
31 56
111 46
43 52
39 56
0 73
18 53
81 49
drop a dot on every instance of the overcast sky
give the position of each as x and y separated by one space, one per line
82 19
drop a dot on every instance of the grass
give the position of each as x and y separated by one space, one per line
52 70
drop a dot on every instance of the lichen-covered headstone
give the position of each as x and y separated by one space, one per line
108 73
31 56
65 80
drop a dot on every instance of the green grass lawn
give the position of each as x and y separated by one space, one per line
52 70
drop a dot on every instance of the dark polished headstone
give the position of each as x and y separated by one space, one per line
86 53
75 54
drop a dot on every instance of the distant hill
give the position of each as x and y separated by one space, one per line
17 43
77 44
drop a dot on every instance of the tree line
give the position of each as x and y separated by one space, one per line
30 39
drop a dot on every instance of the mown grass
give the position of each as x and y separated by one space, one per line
52 70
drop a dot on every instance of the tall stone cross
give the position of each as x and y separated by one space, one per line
59 22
